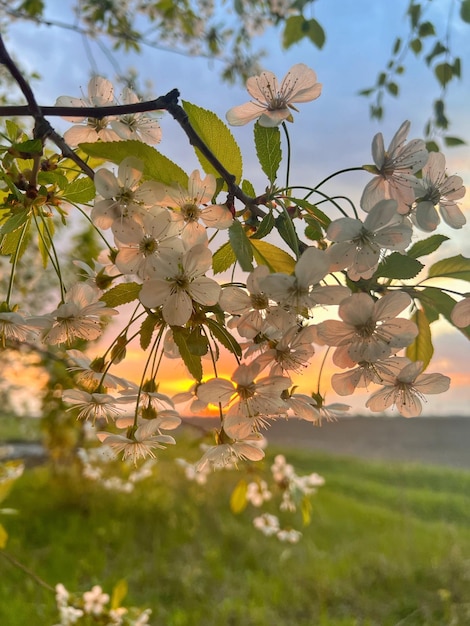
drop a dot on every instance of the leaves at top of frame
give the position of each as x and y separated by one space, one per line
156 165
455 267
218 138
297 28
465 11
268 149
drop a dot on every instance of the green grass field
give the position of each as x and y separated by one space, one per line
389 545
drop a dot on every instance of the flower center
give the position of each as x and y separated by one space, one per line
191 212
367 329
246 391
148 246
259 301
97 124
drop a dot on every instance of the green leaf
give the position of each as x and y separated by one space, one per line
276 259
156 165
80 191
293 30
265 227
45 240
444 73
223 258
454 267
398 265
313 212
192 361
421 349
218 138
53 178
426 29
268 149
238 500
392 88
416 45
197 342
287 231
146 330
15 221
453 141
119 593
434 299
3 537
241 246
17 241
222 335
465 11
315 33
426 246
248 188
121 294
306 509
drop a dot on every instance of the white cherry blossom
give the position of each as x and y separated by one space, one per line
194 204
90 129
92 406
358 246
407 389
461 313
180 281
369 329
392 169
139 442
433 189
136 126
124 196
273 102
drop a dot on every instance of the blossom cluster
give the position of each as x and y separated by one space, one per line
159 256
94 604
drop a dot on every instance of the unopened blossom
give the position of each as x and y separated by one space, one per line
250 306
193 204
79 317
141 246
92 406
273 102
136 126
90 129
358 246
407 389
369 329
178 283
302 291
460 315
124 196
436 189
139 442
392 168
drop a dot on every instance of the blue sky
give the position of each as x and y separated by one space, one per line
331 133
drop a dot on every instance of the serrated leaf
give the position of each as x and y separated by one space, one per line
426 246
46 233
223 258
287 231
119 593
192 362
3 537
238 500
315 33
218 138
53 178
197 342
275 258
268 149
146 330
121 294
313 212
15 221
443 304
17 241
80 191
455 267
156 165
241 246
222 335
421 349
248 188
398 265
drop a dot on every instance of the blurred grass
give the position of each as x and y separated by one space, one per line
16 428
389 545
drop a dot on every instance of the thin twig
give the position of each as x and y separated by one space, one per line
27 571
